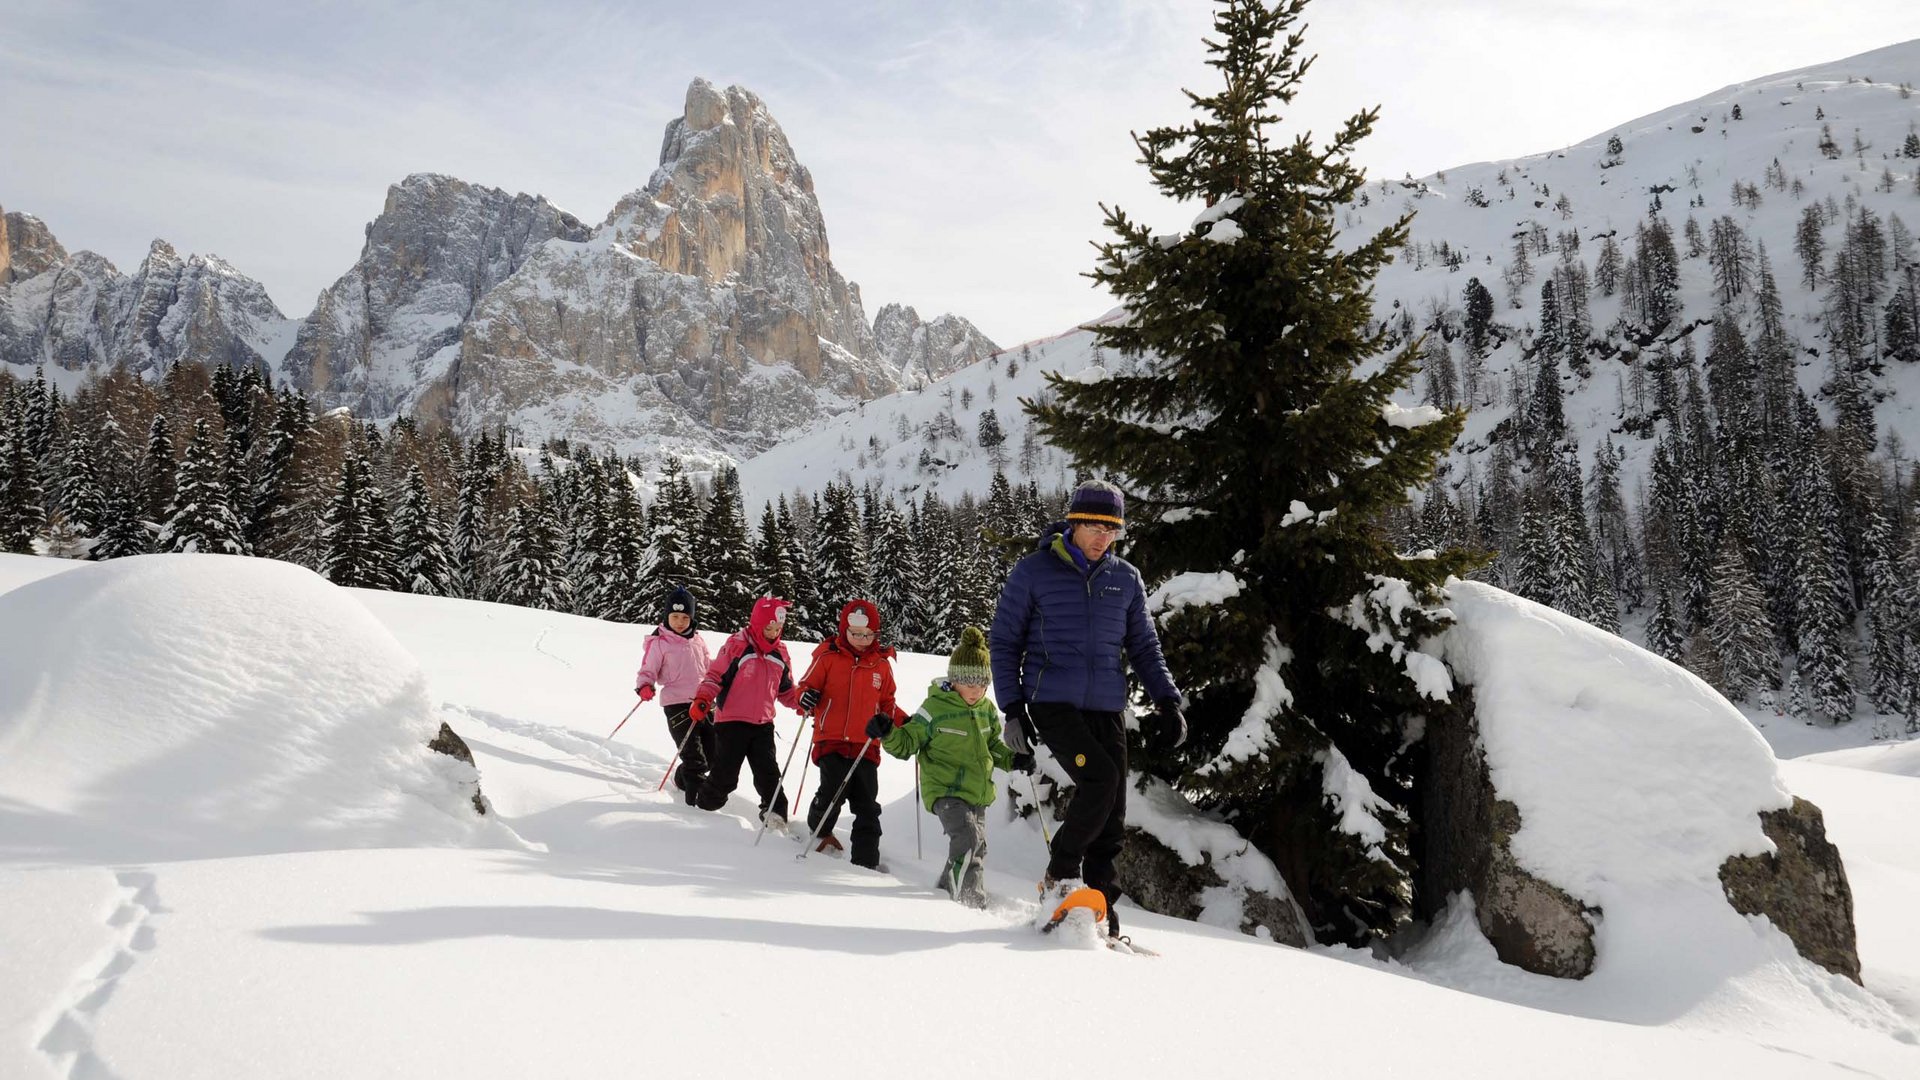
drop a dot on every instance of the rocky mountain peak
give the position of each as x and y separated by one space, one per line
78 311
390 327
27 247
926 351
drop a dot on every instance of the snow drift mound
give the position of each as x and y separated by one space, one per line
185 706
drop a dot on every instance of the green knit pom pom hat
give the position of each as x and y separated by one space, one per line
969 663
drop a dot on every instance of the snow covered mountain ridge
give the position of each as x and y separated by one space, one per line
1469 222
704 313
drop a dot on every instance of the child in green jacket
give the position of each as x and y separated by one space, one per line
956 735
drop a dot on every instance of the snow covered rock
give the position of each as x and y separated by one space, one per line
383 338
78 311
923 352
1595 799
1468 846
1801 887
193 706
27 247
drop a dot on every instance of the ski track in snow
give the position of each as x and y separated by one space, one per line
69 1040
645 772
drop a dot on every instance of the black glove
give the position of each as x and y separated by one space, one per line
1022 762
808 699
1019 729
878 727
1171 728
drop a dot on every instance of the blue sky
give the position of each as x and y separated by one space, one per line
959 150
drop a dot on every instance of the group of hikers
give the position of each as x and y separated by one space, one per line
1070 621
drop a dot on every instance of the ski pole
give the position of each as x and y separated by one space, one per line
782 790
681 749
1040 811
917 854
832 805
622 723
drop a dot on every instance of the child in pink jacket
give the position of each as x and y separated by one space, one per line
672 666
751 672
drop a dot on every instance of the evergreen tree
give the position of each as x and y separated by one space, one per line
797 557
897 572
727 554
839 553
529 573
1479 305
1663 634
353 538
200 517
1738 627
425 564
123 533
674 516
82 502
770 557
22 503
157 470
1269 406
629 538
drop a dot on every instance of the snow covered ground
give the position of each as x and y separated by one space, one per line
152 927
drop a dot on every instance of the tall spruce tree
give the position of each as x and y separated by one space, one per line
353 537
425 563
23 509
200 517
839 554
675 516
1254 390
1738 627
530 573
726 558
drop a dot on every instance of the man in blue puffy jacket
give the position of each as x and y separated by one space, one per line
1069 621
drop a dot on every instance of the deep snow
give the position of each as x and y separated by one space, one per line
599 928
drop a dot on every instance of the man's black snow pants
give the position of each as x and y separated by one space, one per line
1092 747
695 754
737 741
863 794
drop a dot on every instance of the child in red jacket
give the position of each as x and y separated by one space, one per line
750 673
849 683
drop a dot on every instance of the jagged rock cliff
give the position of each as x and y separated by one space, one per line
27 247
78 311
706 310
924 351
383 335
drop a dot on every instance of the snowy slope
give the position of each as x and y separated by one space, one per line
623 930
1660 150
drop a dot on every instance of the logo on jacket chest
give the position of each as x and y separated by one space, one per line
876 680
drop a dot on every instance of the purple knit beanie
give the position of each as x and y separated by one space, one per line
1097 500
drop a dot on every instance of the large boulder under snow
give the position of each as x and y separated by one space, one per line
1596 797
191 706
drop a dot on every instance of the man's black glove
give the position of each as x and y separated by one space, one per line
1171 729
1020 735
878 727
1022 762
808 699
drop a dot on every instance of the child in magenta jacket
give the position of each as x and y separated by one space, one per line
672 665
750 674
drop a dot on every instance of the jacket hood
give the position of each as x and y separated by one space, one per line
1047 535
765 610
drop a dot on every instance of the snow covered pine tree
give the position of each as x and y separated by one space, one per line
1248 410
